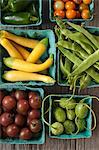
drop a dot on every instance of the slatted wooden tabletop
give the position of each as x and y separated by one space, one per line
54 144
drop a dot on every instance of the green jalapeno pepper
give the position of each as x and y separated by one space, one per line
17 5
3 3
19 18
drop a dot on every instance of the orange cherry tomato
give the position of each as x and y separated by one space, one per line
78 1
78 14
71 14
59 13
87 1
70 5
85 14
58 5
83 6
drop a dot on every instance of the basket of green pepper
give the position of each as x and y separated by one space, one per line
21 13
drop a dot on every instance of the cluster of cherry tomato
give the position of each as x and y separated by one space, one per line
20 115
72 9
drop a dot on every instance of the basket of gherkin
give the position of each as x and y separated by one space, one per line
78 55
69 116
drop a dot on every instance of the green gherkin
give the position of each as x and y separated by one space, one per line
60 114
71 114
81 123
69 126
66 103
57 128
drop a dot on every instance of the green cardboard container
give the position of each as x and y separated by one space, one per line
41 139
29 25
60 80
36 34
91 7
84 134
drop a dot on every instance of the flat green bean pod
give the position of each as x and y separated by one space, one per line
77 61
86 63
85 81
62 68
84 45
86 33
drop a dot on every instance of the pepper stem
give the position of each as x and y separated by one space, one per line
33 18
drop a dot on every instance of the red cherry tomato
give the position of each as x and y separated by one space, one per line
59 13
58 5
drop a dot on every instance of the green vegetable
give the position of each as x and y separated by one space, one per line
57 128
86 33
69 126
33 9
20 18
81 124
62 102
17 5
70 114
70 104
73 58
85 81
3 3
72 36
81 110
64 70
67 103
86 63
60 114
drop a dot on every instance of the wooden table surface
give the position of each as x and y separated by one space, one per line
54 144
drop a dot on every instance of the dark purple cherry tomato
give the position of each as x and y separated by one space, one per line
25 134
34 100
20 120
34 114
35 125
2 94
12 130
22 107
6 119
19 94
8 103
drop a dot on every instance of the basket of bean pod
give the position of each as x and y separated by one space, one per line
20 115
70 117
73 10
21 12
78 54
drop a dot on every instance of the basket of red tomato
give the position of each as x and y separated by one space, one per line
74 10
